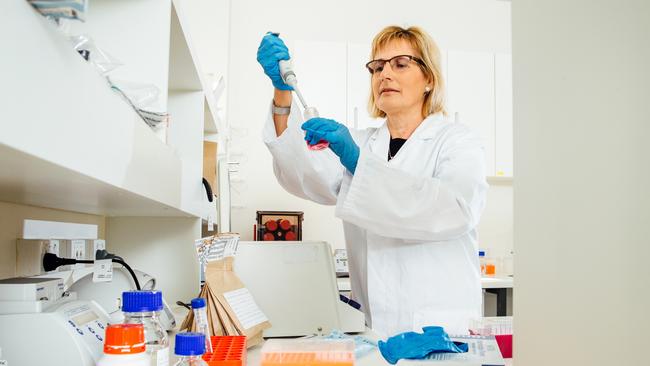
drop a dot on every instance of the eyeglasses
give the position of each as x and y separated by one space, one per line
398 63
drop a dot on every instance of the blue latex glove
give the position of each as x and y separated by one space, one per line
271 51
337 135
411 345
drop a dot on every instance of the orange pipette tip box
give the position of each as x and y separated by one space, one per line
227 351
308 353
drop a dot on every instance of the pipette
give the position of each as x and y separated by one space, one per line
289 78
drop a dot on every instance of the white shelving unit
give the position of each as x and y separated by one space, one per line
68 142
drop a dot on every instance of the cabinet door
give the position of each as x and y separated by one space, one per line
359 88
321 71
470 88
503 105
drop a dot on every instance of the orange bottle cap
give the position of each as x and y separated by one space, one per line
124 339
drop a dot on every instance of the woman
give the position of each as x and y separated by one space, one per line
410 193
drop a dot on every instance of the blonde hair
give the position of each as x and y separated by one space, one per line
428 52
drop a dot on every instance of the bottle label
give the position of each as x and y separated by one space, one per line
160 357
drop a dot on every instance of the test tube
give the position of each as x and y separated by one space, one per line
201 321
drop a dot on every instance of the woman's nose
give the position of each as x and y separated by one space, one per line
386 72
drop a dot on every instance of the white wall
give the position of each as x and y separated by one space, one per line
582 238
468 25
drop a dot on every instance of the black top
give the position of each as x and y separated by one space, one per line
394 146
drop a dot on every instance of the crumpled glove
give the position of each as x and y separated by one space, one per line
337 135
271 51
412 345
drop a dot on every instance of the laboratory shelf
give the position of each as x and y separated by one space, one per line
184 67
68 142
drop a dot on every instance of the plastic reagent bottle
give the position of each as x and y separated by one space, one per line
201 321
189 348
124 346
143 307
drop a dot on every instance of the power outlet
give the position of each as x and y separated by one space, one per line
29 255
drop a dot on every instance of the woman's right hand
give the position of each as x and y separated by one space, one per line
271 51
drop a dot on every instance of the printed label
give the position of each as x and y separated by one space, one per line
103 270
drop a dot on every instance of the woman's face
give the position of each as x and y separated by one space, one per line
401 88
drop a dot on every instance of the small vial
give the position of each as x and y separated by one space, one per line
189 348
482 260
143 307
201 321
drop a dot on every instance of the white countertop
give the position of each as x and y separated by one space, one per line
253 354
486 282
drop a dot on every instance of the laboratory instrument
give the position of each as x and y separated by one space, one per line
190 347
201 321
289 78
295 286
107 294
143 307
66 331
124 346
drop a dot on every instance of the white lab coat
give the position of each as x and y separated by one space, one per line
410 223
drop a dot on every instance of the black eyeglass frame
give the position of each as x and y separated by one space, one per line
412 58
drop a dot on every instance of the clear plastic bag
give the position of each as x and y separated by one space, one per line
100 59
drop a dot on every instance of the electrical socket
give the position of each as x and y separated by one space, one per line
30 252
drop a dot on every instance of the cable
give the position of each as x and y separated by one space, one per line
52 262
128 268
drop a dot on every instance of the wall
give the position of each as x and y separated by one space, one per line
162 247
11 228
581 192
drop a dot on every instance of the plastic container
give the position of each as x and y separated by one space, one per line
143 307
500 327
227 351
201 321
189 347
488 267
316 352
124 346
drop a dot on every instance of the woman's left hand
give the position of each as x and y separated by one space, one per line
337 135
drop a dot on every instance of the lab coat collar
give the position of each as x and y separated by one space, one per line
425 131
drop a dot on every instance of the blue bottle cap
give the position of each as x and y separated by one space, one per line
198 303
481 253
141 301
189 344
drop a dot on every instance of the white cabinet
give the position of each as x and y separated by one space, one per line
470 92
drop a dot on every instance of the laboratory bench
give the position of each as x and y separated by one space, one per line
254 354
497 285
